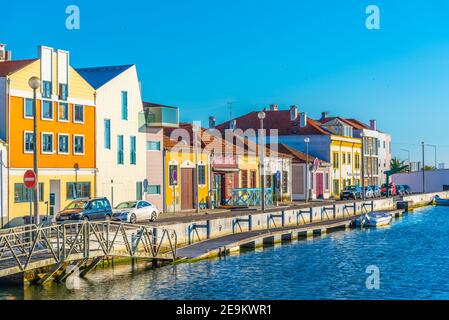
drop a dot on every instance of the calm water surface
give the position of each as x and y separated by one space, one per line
412 255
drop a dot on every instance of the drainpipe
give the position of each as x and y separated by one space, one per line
164 182
8 153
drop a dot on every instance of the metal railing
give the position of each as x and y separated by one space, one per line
29 247
250 197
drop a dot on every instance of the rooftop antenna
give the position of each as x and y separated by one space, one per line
230 110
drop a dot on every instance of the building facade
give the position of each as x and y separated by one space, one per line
3 184
66 132
120 142
156 117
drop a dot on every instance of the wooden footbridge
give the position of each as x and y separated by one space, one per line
84 244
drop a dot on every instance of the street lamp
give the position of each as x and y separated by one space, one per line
261 115
423 169
35 83
307 141
362 135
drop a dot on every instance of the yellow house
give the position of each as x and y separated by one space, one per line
65 110
179 175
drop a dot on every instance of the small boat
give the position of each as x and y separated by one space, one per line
440 201
374 219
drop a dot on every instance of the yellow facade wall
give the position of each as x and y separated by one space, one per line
20 210
249 163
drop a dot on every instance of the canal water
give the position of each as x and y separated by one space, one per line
411 255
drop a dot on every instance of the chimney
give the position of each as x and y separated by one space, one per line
293 113
324 115
4 55
303 119
373 124
274 107
211 122
233 124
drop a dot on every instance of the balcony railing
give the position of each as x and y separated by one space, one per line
250 197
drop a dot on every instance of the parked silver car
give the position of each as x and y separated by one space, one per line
135 211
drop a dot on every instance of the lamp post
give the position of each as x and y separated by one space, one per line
195 129
423 169
35 83
261 117
362 135
307 141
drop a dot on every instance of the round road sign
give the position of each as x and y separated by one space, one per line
29 179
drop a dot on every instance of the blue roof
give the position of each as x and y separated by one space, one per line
98 76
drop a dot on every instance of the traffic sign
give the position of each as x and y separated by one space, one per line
29 179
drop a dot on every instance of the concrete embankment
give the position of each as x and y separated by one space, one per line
210 227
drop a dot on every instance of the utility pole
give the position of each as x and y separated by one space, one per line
423 170
35 83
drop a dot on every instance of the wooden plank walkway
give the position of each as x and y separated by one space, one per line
213 247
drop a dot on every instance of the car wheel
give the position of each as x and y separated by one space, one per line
153 216
133 219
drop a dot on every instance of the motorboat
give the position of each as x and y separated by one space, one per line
374 219
440 201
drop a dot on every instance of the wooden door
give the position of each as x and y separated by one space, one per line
319 185
187 189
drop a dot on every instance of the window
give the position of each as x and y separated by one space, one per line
173 175
285 181
28 108
120 155
47 110
139 189
202 174
46 89
47 142
143 204
336 187
63 91
335 162
78 144
253 181
77 190
63 144
343 160
107 134
326 182
349 158
132 150
63 112
153 145
124 105
357 161
28 142
23 194
78 115
156 189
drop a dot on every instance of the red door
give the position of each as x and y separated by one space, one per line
319 185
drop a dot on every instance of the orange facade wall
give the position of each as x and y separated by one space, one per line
19 124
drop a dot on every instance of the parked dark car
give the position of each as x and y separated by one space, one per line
86 209
351 192
403 189
388 190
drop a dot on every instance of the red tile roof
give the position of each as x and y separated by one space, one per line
279 120
9 67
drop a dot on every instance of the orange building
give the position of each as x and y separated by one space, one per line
65 112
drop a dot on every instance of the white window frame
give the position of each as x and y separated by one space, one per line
68 112
84 144
68 143
24 142
25 108
74 113
52 110
52 142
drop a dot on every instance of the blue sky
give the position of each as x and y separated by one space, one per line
201 54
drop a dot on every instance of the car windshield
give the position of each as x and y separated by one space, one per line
352 188
127 205
77 204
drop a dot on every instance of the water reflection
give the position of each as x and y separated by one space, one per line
411 255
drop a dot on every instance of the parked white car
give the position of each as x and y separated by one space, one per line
135 211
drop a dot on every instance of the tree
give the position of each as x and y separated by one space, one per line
429 168
399 165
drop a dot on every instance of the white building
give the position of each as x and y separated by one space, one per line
3 184
436 180
120 142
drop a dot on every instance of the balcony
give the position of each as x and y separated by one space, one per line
159 116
